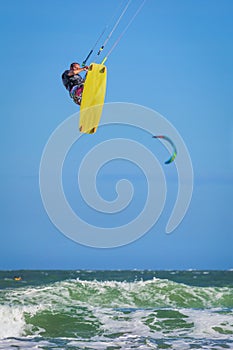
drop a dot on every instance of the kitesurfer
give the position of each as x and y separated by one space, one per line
73 81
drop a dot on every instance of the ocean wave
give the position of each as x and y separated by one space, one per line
157 292
84 309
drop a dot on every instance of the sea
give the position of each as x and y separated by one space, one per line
116 309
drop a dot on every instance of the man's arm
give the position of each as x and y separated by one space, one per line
77 71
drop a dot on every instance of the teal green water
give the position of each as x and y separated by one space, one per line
116 309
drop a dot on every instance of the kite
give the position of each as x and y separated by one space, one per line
173 156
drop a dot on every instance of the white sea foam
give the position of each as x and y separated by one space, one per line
12 322
208 322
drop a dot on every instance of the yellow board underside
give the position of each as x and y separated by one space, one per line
93 98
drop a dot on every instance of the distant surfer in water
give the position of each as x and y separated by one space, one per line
73 81
17 278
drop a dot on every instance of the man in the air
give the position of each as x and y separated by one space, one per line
73 81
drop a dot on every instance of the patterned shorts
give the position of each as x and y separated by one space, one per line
76 94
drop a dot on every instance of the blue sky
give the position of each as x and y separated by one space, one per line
175 58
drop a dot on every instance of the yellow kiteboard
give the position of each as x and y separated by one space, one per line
93 98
